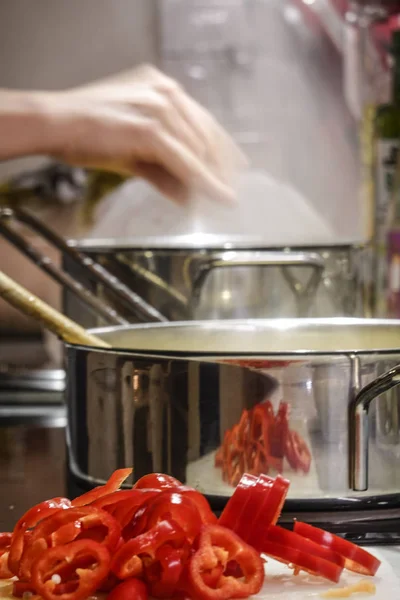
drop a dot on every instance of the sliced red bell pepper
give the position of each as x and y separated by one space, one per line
167 505
270 510
131 589
252 509
291 539
29 520
157 481
23 587
297 452
163 574
126 507
128 560
235 505
302 561
112 485
206 514
355 558
87 578
218 546
79 523
5 545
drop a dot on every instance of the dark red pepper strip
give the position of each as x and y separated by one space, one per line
128 560
220 546
87 578
112 485
125 511
29 520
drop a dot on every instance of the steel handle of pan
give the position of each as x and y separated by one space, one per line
95 271
284 259
359 426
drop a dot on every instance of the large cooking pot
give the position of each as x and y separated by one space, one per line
203 401
215 277
189 278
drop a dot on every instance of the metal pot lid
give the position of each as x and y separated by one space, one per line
261 336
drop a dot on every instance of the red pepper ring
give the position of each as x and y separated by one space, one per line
84 522
301 561
356 559
220 546
128 560
87 579
112 485
28 520
111 501
233 509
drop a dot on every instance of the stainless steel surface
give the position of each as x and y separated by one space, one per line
167 394
303 293
359 427
218 278
46 380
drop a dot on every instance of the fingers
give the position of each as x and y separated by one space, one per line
156 106
159 147
222 151
168 185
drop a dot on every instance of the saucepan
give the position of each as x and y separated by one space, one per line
205 401
212 277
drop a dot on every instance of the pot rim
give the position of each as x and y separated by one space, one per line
197 242
256 337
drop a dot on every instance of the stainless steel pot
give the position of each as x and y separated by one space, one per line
163 398
189 278
217 278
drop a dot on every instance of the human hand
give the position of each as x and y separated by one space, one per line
146 125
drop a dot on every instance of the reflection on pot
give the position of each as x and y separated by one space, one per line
261 443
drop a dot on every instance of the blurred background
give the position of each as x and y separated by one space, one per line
288 78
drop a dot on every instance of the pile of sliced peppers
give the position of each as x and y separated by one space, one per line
260 442
161 539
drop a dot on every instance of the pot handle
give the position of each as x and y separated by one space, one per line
359 426
266 259
130 299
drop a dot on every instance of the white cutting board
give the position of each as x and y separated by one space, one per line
282 585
